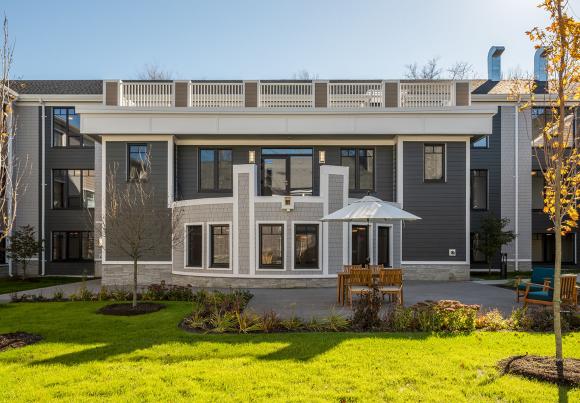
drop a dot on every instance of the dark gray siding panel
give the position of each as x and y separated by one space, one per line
440 205
159 225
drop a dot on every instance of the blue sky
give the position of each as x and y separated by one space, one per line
264 39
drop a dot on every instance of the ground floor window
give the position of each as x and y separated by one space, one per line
360 245
476 255
272 246
219 246
306 246
194 245
72 246
544 248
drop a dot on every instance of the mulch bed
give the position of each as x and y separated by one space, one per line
542 368
128 310
17 340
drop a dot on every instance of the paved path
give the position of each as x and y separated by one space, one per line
48 292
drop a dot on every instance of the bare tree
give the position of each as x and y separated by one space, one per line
12 168
154 72
304 75
133 222
429 71
461 70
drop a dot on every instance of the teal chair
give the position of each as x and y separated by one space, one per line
542 278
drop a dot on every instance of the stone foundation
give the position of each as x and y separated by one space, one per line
229 282
522 266
122 274
455 272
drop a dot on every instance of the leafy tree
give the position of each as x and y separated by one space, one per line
23 246
493 236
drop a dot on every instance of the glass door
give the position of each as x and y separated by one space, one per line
384 246
359 245
275 182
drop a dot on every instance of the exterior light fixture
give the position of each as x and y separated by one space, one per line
322 157
100 242
252 157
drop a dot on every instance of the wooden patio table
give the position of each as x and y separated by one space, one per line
341 285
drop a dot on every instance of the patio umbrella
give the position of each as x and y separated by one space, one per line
370 209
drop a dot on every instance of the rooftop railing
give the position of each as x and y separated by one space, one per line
288 95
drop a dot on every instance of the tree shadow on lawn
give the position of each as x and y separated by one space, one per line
98 338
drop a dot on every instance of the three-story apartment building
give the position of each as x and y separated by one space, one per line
251 166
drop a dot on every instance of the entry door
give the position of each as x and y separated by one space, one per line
384 246
359 244
275 182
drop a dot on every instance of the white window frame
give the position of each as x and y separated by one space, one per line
208 245
319 241
186 244
258 235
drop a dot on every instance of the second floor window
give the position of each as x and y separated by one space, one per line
66 129
215 170
73 188
479 189
360 163
138 164
480 143
542 116
434 162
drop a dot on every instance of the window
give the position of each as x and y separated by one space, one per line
3 251
66 129
286 171
306 246
482 142
360 163
73 188
476 255
272 246
72 246
138 164
537 191
194 245
479 189
220 246
434 160
383 246
542 116
215 170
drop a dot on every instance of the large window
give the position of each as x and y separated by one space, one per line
476 244
138 164
66 129
194 246
72 246
537 191
360 163
544 248
482 142
306 246
479 189
286 171
434 162
272 246
73 188
219 246
542 116
215 170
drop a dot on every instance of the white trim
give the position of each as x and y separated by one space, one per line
253 276
468 200
139 263
433 139
375 254
430 262
516 185
277 199
292 247
43 189
208 225
136 138
170 170
400 186
203 202
523 260
186 244
309 141
256 264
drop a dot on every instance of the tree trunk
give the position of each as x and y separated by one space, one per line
557 267
24 270
134 283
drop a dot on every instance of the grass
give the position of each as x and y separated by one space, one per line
10 285
89 357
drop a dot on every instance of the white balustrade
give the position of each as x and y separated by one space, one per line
146 94
356 95
427 94
217 95
285 95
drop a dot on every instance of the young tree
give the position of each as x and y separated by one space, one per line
492 236
430 71
23 246
154 72
460 71
555 148
304 75
134 222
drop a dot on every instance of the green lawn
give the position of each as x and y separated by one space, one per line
86 356
10 285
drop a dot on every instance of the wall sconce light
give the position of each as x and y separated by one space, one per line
252 157
100 242
322 157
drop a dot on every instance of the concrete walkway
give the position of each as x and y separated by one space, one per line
48 292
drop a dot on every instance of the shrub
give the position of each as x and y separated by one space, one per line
58 295
222 322
519 320
270 322
247 322
366 311
492 321
315 324
293 323
336 322
400 319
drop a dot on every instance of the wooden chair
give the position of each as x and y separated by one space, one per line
348 267
376 268
541 277
391 283
359 282
342 282
568 292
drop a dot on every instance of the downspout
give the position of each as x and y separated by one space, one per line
517 181
10 174
43 188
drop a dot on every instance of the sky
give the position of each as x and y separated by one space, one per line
269 39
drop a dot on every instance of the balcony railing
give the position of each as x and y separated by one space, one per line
288 95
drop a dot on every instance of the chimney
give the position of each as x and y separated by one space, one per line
540 73
494 63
